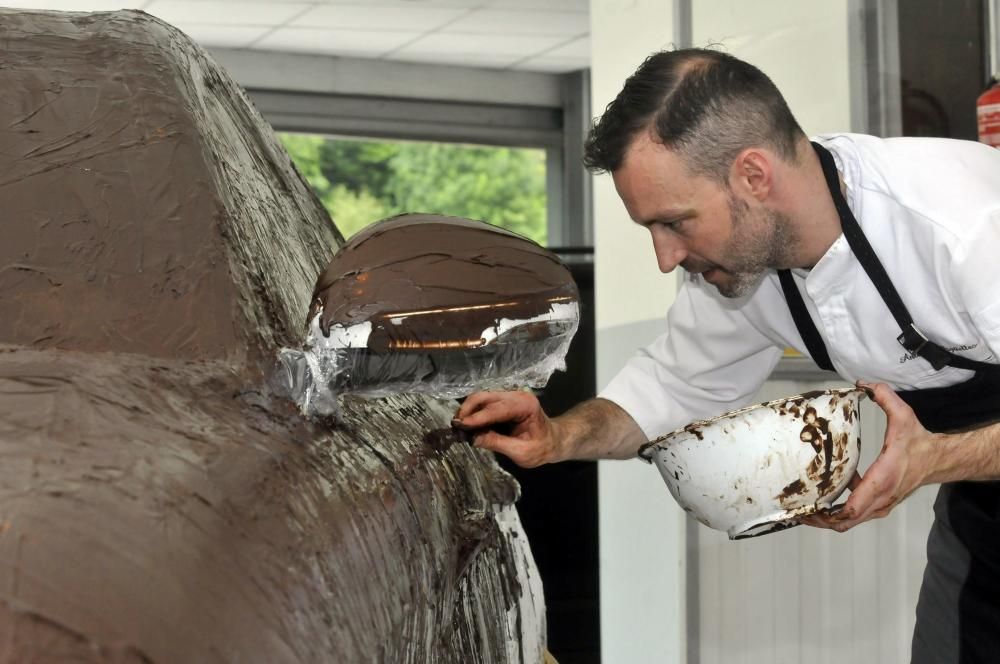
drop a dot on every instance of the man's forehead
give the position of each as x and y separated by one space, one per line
647 155
647 162
644 143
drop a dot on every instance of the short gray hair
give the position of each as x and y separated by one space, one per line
705 104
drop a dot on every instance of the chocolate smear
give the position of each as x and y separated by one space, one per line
438 305
437 277
157 504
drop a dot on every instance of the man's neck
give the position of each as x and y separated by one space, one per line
811 209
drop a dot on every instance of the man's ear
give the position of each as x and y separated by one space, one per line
753 173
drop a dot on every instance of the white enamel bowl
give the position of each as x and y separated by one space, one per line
759 469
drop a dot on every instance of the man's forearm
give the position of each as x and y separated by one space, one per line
970 455
598 429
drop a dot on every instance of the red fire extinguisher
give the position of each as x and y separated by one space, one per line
988 114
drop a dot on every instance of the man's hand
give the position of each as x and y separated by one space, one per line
530 438
517 427
907 462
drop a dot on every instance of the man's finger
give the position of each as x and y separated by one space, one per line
880 508
492 441
474 402
824 518
863 494
817 521
886 398
515 449
492 411
833 518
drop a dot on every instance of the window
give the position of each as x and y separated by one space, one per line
363 180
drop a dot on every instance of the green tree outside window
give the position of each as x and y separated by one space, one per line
362 181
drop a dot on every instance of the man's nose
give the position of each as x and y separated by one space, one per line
670 250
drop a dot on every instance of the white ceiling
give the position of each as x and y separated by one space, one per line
542 35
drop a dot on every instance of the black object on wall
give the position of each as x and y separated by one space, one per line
943 60
558 505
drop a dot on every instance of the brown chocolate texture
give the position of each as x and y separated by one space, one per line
448 302
444 280
156 504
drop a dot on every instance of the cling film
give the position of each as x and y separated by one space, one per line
430 304
512 354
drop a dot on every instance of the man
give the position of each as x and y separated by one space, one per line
875 257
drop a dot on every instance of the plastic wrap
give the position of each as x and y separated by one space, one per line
437 305
510 354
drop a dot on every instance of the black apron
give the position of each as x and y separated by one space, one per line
958 613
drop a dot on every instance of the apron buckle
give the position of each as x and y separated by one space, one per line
913 340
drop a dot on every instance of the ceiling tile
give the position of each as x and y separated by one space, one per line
470 45
378 18
581 6
488 33
230 36
225 13
468 4
240 2
485 60
77 5
371 43
578 48
496 21
552 65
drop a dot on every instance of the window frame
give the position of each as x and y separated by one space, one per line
364 98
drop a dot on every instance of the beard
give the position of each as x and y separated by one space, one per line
760 242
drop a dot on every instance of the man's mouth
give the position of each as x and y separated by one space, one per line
700 267
712 274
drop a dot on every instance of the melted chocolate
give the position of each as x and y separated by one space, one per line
427 281
158 247
146 206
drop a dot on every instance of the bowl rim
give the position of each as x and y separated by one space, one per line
644 451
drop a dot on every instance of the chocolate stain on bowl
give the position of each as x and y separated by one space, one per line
796 488
694 429
826 468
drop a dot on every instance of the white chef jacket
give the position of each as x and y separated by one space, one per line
931 210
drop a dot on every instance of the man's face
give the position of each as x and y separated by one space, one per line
697 223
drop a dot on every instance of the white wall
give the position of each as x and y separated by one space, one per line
804 594
801 45
641 527
801 595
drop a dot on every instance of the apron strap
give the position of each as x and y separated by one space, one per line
804 322
912 339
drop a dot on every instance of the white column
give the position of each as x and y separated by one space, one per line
641 527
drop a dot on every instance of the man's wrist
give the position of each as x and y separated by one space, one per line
968 455
561 444
940 458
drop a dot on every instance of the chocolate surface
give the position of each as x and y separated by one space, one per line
160 509
429 281
146 206
156 504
